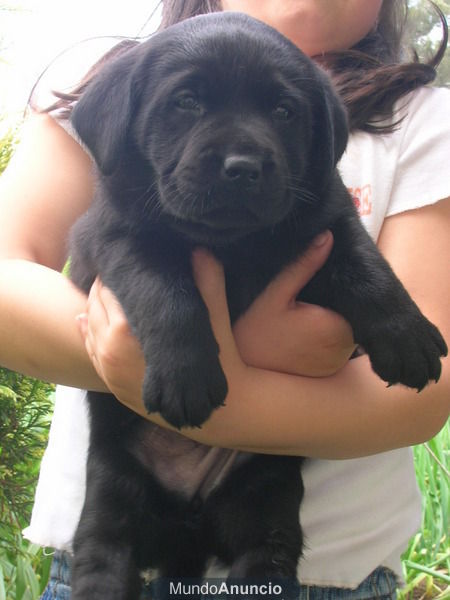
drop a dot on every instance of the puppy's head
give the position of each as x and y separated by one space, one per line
223 124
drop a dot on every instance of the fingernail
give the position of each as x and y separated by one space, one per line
321 239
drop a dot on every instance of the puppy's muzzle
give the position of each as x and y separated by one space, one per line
228 186
241 170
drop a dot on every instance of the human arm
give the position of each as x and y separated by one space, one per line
47 185
351 413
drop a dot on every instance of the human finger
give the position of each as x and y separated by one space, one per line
97 315
91 351
96 329
210 280
288 283
113 309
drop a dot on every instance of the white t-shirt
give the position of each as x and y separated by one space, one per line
357 514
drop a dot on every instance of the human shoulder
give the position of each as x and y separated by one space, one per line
424 98
39 129
46 140
48 180
424 112
403 169
421 175
420 122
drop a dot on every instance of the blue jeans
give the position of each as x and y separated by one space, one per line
380 585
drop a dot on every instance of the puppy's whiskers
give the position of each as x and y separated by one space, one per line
151 207
185 199
301 193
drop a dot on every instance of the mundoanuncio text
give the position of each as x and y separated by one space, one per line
216 589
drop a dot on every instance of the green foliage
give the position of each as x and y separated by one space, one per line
427 560
424 34
25 409
24 572
7 146
25 412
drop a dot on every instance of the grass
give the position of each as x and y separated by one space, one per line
427 560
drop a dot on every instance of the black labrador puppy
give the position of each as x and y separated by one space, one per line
217 132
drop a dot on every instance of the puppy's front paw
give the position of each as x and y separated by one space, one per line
185 387
406 349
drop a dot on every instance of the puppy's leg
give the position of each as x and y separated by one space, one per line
266 571
357 282
180 577
106 540
256 516
184 380
182 552
104 566
105 572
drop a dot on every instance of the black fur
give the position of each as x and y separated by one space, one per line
217 132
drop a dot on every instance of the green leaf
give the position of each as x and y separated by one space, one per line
2 585
7 392
428 571
20 579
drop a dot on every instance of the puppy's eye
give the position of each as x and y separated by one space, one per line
282 112
188 101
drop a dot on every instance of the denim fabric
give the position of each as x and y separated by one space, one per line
58 587
380 585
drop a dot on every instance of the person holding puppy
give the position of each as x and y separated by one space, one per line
292 387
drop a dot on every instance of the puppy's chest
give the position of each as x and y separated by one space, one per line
250 268
180 464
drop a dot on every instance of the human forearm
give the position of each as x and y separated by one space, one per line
38 332
349 414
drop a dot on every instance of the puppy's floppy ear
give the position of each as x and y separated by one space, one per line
330 135
102 115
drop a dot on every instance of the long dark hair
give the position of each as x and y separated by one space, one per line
374 74
370 77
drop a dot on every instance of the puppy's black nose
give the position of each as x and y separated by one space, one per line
242 169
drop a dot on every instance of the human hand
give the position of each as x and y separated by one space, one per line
277 332
114 351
